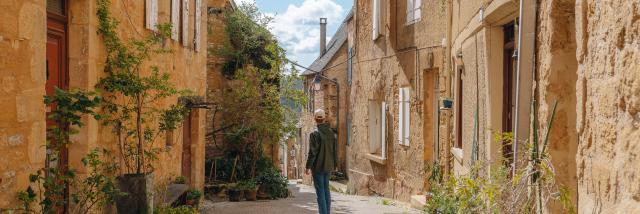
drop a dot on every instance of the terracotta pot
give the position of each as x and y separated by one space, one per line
234 195
251 195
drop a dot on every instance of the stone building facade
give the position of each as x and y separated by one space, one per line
393 102
60 36
330 69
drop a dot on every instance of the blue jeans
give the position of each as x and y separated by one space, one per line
321 183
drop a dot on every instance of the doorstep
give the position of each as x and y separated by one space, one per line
418 201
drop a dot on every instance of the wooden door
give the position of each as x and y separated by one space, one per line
186 149
56 76
508 104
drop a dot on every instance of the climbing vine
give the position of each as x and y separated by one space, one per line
132 92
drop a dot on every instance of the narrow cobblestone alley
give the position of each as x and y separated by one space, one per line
304 201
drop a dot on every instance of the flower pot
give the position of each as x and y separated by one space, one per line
251 195
262 193
139 194
192 202
234 195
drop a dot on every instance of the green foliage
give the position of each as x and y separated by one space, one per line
251 105
193 194
503 189
50 184
132 94
249 184
274 183
176 210
180 180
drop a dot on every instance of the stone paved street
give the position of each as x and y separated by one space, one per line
304 201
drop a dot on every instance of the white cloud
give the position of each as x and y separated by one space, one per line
298 29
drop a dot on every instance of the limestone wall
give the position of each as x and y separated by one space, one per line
22 133
608 105
399 58
22 118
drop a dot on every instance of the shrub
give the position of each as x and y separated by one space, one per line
176 210
193 194
274 183
250 184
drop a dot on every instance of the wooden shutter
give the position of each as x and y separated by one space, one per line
417 10
185 23
175 19
410 9
383 130
400 117
407 115
376 19
350 66
404 116
196 38
151 14
374 126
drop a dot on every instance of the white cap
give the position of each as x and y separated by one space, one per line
319 114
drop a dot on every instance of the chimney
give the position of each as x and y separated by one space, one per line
323 36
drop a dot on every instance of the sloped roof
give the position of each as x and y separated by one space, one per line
338 39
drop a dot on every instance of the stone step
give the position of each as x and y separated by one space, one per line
418 201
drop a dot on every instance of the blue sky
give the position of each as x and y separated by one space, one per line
296 23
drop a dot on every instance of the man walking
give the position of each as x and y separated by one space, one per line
322 160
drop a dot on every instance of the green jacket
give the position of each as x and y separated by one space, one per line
322 149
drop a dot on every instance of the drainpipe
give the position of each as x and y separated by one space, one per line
525 69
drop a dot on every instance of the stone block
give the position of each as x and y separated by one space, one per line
30 105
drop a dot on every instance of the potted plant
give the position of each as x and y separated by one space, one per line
234 193
250 188
180 180
273 184
193 197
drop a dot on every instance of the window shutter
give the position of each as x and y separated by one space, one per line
383 129
417 10
410 9
196 38
185 23
374 126
151 14
401 117
376 19
407 117
175 19
350 66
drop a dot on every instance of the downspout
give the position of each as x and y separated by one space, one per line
525 69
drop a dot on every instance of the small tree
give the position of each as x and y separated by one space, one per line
251 104
132 96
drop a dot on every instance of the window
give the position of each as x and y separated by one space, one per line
377 128
376 19
414 11
350 66
151 13
175 19
404 116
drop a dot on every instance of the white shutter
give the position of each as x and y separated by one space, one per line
196 42
383 130
400 117
185 23
417 10
374 126
410 9
175 19
376 19
151 14
407 116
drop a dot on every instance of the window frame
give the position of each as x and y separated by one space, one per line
404 116
414 11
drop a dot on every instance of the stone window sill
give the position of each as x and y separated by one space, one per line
457 153
377 158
